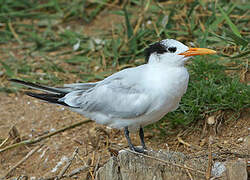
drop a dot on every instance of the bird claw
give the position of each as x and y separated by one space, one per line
139 150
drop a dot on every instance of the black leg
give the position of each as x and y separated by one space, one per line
131 146
141 134
126 133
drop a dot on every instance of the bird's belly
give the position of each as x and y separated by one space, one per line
161 111
133 123
165 102
147 118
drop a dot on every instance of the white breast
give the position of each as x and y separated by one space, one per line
167 87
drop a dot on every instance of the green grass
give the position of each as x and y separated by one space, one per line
37 45
210 90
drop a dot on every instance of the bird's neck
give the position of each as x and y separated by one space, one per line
166 65
166 78
167 71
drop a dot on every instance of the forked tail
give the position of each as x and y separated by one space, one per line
53 95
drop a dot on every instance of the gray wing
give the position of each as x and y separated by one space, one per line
114 97
78 86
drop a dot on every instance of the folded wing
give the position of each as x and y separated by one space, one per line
114 97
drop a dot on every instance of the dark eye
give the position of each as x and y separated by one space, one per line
172 49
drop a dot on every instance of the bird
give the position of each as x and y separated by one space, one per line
131 98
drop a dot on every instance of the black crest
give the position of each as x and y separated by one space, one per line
155 48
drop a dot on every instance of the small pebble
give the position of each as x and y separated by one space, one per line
52 130
240 140
211 120
218 169
149 22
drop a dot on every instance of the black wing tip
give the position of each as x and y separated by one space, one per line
35 95
15 80
48 97
52 98
37 86
18 81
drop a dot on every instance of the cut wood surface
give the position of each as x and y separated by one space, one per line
167 165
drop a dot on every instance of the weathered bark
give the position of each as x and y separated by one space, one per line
130 166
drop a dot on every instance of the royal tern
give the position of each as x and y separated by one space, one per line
131 98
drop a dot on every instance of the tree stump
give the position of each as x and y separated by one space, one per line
167 165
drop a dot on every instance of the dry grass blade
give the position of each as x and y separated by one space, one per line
189 174
14 33
38 139
22 161
140 19
210 159
78 170
68 164
97 165
187 144
4 141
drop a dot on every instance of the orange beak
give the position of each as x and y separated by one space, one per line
197 51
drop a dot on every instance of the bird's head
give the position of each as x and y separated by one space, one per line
172 52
